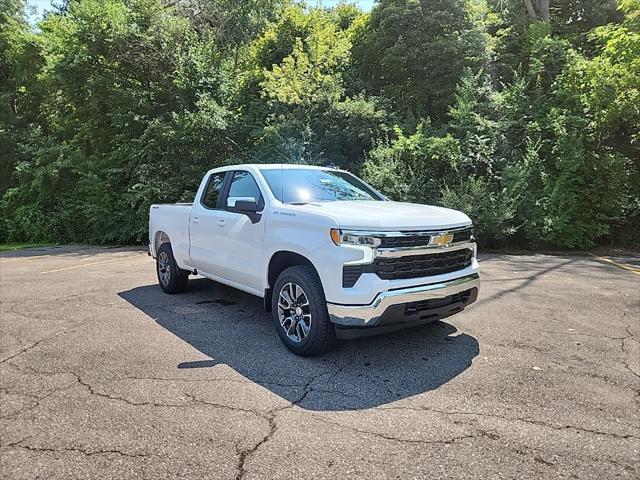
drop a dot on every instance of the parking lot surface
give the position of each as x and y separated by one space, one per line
104 376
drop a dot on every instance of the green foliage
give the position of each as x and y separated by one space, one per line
298 107
493 210
396 50
415 167
531 127
126 96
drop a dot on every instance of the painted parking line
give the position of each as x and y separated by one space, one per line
92 263
46 256
617 264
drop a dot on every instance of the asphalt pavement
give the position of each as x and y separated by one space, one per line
104 376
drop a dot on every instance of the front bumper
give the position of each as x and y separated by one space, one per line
404 305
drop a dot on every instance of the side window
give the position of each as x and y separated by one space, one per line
214 190
243 185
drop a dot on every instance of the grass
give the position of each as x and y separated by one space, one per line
7 247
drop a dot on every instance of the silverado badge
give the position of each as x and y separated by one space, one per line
441 240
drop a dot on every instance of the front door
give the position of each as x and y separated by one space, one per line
240 244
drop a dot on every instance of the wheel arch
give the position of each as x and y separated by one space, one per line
159 238
279 262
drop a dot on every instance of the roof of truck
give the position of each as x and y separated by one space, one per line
268 166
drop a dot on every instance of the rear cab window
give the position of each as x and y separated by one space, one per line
212 195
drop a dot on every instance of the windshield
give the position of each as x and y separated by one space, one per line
304 185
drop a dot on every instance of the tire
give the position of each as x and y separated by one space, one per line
305 327
172 279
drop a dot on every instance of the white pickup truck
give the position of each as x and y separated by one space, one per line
330 255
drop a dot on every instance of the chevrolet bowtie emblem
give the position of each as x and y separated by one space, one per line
442 240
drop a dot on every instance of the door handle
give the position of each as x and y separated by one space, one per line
195 219
221 223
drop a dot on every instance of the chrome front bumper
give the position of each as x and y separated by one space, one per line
369 315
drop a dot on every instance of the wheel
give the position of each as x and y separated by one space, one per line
300 312
172 278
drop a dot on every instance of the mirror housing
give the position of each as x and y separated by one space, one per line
249 206
232 202
246 205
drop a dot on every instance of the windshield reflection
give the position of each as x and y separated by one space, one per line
304 185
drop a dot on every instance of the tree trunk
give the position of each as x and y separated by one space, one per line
530 10
543 10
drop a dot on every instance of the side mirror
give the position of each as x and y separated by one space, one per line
245 205
249 206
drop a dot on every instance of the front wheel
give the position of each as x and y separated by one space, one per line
172 279
300 312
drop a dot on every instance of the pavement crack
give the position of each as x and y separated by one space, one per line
394 438
17 442
22 314
308 386
24 350
245 454
92 390
37 399
35 344
517 419
86 452
98 393
627 354
195 399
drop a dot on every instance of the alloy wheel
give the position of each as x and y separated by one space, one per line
163 268
294 312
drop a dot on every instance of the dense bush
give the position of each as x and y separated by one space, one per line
529 121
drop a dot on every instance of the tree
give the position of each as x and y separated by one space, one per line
232 24
539 12
298 92
123 94
527 122
414 52
18 61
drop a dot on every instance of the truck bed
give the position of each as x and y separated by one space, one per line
172 220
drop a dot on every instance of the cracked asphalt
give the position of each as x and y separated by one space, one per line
104 376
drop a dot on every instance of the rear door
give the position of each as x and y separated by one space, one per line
239 243
205 225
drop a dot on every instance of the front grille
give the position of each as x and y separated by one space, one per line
421 239
463 235
405 241
435 303
414 266
410 266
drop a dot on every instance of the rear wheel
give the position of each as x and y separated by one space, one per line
172 278
300 312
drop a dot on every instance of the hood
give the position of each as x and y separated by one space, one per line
389 216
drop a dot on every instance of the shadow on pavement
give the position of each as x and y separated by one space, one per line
230 327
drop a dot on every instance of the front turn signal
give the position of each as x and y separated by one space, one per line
335 235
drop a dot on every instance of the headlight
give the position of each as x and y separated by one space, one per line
341 237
